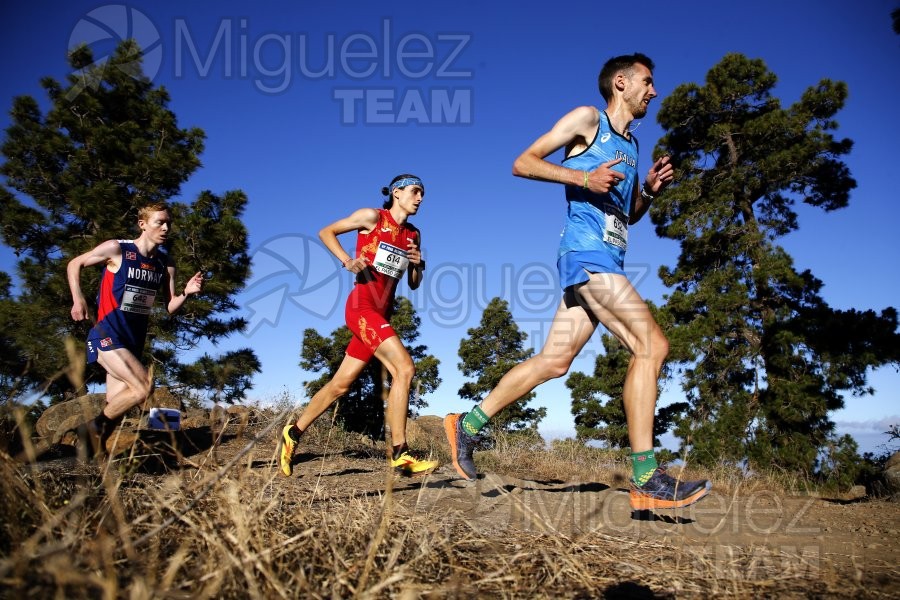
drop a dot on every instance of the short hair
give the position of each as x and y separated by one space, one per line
146 210
616 64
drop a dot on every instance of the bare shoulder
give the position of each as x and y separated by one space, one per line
581 121
109 252
586 114
366 216
362 219
108 249
577 128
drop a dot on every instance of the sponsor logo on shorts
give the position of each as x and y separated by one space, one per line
385 325
106 342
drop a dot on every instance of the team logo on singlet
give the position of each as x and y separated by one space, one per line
130 255
628 160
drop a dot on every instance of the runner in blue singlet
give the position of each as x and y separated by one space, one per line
135 271
604 197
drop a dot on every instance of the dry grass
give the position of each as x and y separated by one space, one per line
234 528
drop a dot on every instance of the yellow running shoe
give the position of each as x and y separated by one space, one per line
408 465
288 445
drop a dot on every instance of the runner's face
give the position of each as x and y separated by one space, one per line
157 227
409 198
639 90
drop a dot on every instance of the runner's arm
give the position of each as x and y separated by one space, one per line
364 219
416 263
660 175
193 286
108 252
576 128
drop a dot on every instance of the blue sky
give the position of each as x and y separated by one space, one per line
312 107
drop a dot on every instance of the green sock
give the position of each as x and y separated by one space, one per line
474 420
642 465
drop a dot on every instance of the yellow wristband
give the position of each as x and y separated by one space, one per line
585 186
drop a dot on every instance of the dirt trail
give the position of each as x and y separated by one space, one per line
751 542
739 534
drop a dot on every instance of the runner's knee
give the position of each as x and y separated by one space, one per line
144 389
659 346
548 368
338 387
405 370
656 348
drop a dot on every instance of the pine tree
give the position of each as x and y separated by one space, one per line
765 359
490 351
76 177
12 360
225 379
362 408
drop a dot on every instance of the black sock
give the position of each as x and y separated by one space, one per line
104 425
295 433
398 450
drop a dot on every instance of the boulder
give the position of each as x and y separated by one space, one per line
150 449
427 434
892 475
162 398
855 493
195 418
58 422
239 414
64 416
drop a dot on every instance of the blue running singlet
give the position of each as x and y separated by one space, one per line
595 236
125 300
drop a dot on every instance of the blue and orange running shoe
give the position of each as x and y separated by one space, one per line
664 491
462 445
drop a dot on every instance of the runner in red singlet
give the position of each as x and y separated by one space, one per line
387 246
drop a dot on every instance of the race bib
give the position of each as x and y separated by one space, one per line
138 300
616 232
390 260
